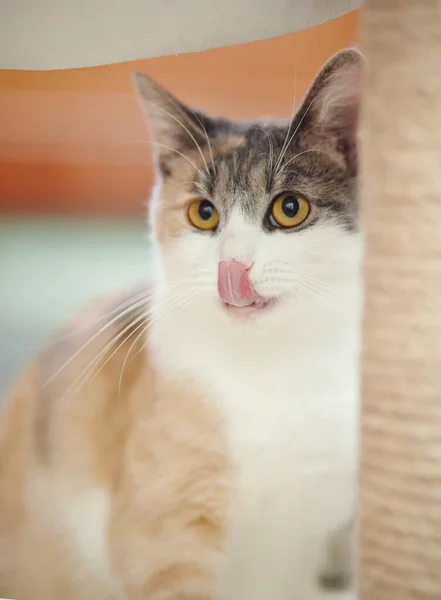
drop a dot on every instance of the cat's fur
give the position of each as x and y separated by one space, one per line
216 460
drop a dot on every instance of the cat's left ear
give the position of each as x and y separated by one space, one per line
328 117
175 129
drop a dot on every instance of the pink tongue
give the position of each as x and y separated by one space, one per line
234 285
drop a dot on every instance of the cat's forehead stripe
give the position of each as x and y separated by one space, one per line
242 174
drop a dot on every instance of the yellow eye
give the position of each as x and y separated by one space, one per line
203 215
289 210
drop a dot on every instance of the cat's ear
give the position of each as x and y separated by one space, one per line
327 119
175 129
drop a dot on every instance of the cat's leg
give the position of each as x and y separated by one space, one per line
180 581
155 569
175 555
337 571
168 529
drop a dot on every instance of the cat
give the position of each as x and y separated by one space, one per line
197 440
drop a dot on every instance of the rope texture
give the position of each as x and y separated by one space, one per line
400 481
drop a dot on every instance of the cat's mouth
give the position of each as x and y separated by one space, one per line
259 305
237 292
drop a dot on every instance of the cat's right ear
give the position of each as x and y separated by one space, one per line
175 129
328 117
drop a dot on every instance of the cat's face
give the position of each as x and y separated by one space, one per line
255 217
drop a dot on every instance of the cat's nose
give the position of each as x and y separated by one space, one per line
233 283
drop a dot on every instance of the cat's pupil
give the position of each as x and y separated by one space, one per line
290 206
206 210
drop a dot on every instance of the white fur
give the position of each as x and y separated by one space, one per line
87 517
286 383
81 513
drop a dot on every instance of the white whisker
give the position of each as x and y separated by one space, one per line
283 152
208 141
283 167
285 145
144 299
148 316
320 294
63 335
181 304
183 127
94 337
201 174
271 152
144 326
184 304
87 370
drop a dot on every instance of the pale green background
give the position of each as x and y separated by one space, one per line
49 267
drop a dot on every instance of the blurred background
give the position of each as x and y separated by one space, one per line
75 172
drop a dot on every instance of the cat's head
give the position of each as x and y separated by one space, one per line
256 217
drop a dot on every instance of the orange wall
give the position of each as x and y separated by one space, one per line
75 141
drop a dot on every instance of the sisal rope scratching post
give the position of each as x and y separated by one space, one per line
400 493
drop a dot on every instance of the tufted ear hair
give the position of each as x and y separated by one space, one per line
174 127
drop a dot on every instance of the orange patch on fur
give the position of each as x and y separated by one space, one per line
153 446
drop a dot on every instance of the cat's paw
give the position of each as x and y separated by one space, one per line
336 573
334 581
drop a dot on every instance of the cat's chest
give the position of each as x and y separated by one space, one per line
292 437
280 401
288 412
277 398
